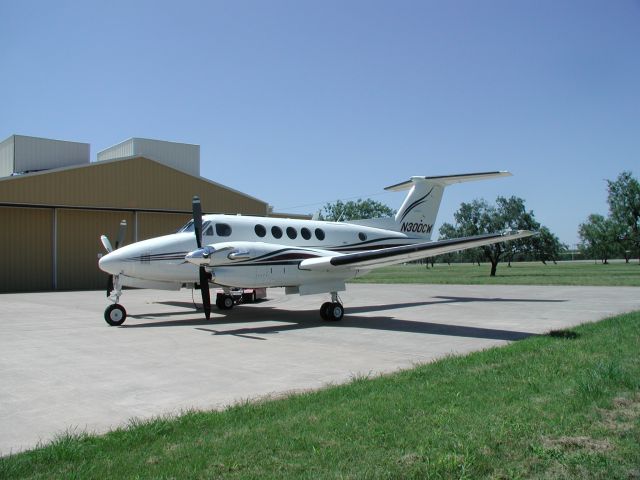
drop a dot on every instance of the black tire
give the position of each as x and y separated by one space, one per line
225 302
324 311
336 312
115 315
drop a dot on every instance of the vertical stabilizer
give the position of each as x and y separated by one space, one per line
417 215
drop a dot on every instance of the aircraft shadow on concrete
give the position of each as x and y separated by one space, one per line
302 319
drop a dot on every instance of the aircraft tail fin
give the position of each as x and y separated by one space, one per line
418 212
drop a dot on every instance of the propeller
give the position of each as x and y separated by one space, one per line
204 275
122 231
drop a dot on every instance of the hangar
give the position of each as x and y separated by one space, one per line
55 204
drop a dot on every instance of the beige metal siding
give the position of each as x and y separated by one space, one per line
152 224
26 262
79 245
131 184
136 185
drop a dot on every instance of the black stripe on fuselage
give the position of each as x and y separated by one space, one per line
302 253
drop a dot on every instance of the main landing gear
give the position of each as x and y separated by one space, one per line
332 311
225 301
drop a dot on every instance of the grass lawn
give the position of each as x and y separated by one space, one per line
525 273
556 406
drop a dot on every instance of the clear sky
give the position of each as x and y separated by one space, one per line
299 102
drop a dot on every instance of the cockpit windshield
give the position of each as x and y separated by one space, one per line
207 228
188 227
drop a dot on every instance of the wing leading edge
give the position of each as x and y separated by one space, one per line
394 255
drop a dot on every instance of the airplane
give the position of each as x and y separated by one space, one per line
303 256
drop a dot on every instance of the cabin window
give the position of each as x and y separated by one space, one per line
362 236
208 230
291 233
276 232
260 230
306 233
223 230
319 234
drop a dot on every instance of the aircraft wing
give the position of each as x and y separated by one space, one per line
407 253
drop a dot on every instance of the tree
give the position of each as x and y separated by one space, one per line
598 237
546 246
624 206
357 210
479 217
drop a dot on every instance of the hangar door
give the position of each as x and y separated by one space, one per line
78 241
26 249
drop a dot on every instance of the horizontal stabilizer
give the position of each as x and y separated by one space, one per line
445 180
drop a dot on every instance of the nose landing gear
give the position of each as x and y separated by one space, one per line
115 314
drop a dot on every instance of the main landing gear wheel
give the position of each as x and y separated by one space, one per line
224 302
332 311
115 315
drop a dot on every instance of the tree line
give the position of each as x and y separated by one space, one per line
616 235
601 238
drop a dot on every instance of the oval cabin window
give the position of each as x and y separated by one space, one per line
260 230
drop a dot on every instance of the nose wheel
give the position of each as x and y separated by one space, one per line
115 315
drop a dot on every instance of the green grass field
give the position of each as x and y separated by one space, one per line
558 406
525 273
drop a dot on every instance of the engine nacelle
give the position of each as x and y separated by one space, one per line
253 264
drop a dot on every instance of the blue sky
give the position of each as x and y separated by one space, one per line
299 102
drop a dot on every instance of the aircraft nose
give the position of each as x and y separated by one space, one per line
111 263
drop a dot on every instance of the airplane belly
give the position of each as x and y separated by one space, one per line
172 271
236 276
257 276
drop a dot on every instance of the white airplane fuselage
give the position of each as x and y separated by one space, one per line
250 251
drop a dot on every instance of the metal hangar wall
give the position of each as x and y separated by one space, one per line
51 220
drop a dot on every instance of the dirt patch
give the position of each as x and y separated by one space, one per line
578 443
623 415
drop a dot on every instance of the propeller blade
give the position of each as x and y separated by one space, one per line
204 276
197 219
121 233
106 243
204 288
109 285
